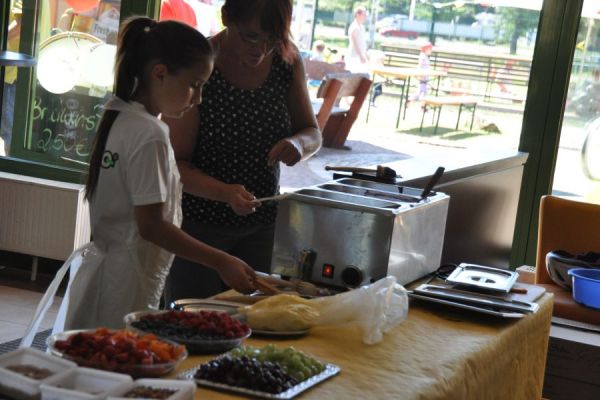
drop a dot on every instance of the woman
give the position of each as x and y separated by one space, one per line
255 113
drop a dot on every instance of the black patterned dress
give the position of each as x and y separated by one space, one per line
238 129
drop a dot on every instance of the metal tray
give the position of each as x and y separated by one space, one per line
330 370
476 299
483 310
481 277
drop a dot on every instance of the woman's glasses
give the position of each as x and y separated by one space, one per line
256 41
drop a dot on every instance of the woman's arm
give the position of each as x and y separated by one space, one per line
306 138
153 228
184 134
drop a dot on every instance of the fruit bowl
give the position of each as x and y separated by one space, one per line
123 351
202 332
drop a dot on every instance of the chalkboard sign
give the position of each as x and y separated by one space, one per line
64 125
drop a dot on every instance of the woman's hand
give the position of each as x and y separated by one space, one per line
238 275
287 150
240 200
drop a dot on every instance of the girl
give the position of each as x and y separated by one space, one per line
133 184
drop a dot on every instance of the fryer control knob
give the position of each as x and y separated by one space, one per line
352 276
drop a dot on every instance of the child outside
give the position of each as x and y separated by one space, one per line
424 63
134 185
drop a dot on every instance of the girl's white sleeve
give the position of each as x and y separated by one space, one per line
147 173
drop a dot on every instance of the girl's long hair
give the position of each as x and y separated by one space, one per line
275 18
141 42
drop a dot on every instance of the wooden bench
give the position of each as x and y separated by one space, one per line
471 74
335 120
437 102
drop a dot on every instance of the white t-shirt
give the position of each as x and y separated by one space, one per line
353 61
206 17
137 169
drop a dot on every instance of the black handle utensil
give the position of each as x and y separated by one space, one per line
432 181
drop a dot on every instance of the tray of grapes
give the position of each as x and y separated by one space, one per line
268 372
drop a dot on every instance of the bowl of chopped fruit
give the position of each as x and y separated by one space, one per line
126 351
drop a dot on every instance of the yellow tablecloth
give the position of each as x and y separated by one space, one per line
435 354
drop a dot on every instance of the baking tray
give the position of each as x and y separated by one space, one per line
330 370
476 299
482 310
482 277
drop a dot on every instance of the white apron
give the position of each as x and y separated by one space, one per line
110 279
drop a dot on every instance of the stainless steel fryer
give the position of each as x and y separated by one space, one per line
350 232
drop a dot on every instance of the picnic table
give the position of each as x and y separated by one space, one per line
403 76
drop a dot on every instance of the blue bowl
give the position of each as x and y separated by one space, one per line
586 286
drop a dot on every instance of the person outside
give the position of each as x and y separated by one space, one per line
206 17
133 184
318 53
424 63
10 77
255 115
178 10
357 59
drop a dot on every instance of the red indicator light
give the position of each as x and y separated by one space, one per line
328 270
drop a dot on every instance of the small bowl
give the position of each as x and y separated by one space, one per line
586 286
184 390
23 387
194 346
135 370
84 384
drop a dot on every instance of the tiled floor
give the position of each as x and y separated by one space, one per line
18 300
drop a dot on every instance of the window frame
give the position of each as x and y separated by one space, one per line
26 162
542 118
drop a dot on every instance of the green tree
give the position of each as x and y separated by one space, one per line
514 23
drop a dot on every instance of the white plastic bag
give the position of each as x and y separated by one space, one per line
89 252
375 308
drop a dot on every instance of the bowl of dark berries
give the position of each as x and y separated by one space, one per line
202 332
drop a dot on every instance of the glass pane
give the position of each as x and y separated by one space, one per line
204 15
577 171
481 53
77 46
10 78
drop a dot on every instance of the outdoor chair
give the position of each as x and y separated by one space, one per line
336 127
327 96
571 226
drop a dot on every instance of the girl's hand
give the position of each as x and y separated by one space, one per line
240 200
287 150
238 275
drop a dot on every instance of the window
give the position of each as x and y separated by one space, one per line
577 171
57 103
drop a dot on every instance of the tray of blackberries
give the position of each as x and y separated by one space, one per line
201 332
268 372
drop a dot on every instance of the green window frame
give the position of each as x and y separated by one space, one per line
543 116
26 162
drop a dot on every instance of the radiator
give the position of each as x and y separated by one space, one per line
41 217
